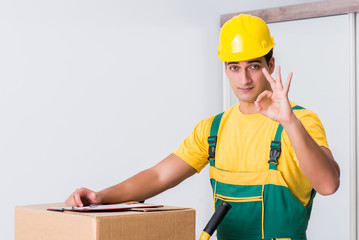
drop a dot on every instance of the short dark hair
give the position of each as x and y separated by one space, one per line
269 56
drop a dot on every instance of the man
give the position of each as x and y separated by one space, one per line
270 199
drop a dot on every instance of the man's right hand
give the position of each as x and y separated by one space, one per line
83 197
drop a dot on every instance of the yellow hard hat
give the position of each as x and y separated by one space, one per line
244 37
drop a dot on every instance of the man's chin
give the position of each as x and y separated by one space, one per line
247 100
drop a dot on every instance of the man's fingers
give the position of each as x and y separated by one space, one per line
257 103
268 76
82 197
277 83
77 199
68 201
277 74
279 78
288 82
258 106
266 93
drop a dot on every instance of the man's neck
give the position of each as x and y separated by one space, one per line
250 108
247 108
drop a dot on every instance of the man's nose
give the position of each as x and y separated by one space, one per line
244 77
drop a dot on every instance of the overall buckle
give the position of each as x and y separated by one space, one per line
275 152
212 141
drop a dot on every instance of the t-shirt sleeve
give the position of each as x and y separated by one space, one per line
314 127
194 149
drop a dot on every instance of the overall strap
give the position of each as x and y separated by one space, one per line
212 139
275 147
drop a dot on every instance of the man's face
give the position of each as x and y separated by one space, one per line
247 79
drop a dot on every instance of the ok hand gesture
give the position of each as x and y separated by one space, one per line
279 108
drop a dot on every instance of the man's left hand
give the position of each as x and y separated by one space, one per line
279 108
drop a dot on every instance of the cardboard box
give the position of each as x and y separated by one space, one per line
34 222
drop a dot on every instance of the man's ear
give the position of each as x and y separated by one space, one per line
271 65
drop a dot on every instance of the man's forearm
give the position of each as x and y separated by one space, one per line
166 174
317 163
137 188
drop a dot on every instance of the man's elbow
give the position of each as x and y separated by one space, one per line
329 187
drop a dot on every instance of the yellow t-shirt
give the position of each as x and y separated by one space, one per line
244 144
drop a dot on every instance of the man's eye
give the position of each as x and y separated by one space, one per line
254 67
233 68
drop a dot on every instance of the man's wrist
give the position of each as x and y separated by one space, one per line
290 121
100 197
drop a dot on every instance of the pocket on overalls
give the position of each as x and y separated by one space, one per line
244 220
284 214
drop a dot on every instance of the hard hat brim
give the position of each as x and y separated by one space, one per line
244 56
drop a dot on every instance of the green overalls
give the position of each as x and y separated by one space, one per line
263 207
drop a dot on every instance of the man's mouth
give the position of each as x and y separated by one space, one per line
245 89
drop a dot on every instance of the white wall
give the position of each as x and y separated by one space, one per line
91 92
